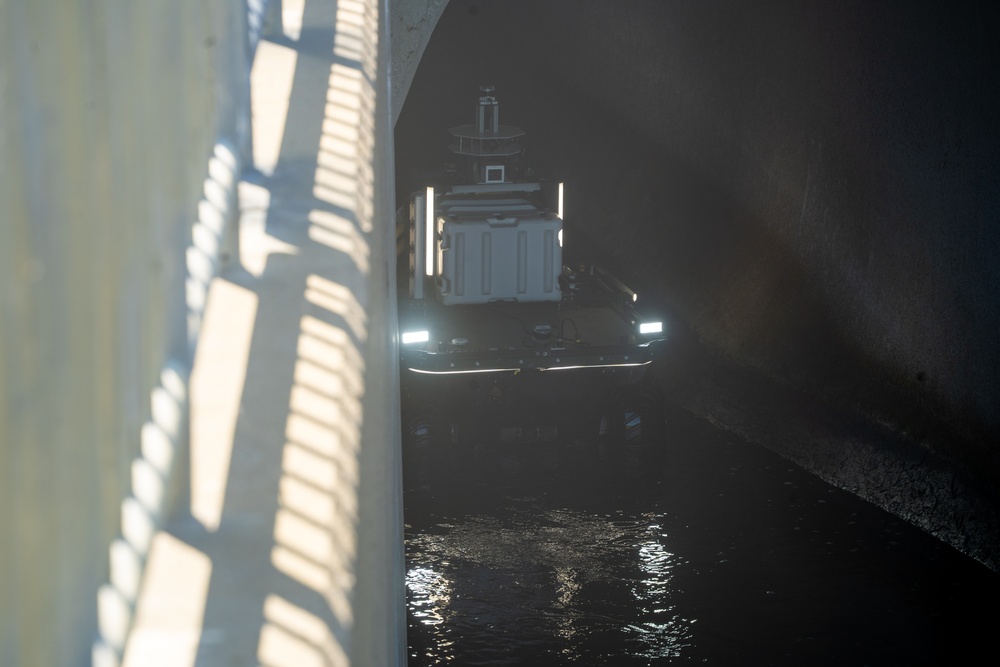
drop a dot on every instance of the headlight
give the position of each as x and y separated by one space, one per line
651 327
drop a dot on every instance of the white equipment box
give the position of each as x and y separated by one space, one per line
504 251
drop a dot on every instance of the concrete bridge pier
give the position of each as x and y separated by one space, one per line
199 454
293 544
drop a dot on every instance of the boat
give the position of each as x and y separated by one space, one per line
497 322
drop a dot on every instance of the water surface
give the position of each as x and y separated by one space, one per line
695 547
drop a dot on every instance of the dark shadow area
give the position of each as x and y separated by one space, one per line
801 187
774 179
688 546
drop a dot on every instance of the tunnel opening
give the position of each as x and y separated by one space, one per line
775 179
769 178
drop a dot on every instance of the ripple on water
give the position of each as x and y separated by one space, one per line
556 583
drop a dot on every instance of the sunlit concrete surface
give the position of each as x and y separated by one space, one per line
217 390
120 141
292 553
125 142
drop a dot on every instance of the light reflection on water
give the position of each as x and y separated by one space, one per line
428 599
566 584
430 592
663 633
697 548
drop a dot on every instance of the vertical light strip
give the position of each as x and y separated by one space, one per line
429 224
560 214
419 251
439 249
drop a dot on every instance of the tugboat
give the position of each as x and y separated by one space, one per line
498 329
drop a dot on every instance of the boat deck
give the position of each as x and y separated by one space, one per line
594 325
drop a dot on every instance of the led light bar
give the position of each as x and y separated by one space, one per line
466 371
429 231
544 369
651 327
411 337
549 369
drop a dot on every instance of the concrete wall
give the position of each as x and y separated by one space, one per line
122 130
411 24
853 151
809 187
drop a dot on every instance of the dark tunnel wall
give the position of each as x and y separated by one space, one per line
856 152
811 186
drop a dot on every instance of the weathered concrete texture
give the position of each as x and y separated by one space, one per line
411 25
851 148
120 132
808 186
292 553
878 463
